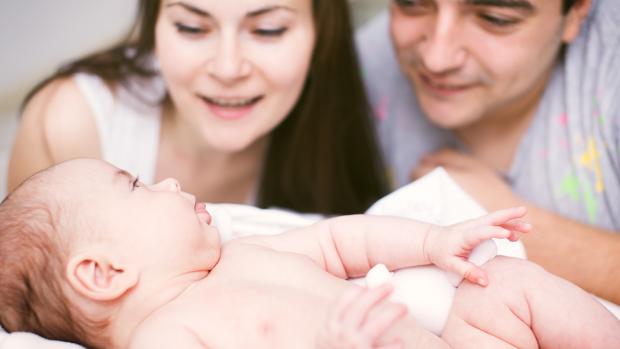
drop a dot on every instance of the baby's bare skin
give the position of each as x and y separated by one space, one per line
260 298
276 299
182 289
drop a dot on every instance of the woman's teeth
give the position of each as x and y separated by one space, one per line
232 103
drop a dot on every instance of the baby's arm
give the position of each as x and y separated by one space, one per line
349 246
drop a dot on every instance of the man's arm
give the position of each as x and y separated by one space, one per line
582 254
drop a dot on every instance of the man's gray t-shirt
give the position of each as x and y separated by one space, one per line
569 159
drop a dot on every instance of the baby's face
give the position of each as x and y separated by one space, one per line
156 226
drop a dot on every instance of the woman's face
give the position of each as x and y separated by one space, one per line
234 69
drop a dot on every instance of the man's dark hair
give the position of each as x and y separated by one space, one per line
567 5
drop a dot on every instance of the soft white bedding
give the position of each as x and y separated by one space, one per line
434 198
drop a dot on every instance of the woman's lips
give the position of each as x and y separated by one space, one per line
201 211
231 108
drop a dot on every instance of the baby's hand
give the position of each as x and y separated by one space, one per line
449 247
360 318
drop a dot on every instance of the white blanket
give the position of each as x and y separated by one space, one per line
435 198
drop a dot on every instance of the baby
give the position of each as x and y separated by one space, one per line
91 255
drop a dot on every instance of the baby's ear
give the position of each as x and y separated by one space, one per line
96 277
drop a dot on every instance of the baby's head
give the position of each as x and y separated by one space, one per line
81 239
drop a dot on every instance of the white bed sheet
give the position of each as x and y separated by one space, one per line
435 198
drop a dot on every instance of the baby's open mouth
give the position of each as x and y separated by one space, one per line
201 210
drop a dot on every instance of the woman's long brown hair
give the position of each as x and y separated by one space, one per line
324 157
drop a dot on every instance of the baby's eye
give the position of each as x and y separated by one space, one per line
136 183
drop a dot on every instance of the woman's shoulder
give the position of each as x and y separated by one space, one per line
56 124
63 113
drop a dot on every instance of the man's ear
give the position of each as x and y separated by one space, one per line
98 278
574 20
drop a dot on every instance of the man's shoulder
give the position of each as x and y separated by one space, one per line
607 13
601 28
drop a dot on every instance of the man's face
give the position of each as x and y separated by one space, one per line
472 60
155 227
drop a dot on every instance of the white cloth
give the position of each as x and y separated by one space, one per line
23 340
128 124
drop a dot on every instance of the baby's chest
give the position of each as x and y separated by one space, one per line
259 316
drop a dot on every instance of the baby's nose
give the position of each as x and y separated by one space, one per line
168 184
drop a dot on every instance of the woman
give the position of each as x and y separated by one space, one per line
243 101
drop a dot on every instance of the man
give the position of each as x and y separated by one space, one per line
520 101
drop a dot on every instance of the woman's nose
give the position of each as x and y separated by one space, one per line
168 184
228 63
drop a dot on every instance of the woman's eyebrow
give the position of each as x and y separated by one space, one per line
190 8
267 9
203 13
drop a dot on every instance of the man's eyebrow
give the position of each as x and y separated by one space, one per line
523 5
190 8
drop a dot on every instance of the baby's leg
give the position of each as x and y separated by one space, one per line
526 307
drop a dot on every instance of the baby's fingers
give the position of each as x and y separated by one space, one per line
480 234
503 216
355 314
343 303
382 319
469 271
517 226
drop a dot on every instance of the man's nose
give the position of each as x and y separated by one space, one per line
442 49
228 64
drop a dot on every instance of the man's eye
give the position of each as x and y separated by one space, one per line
414 6
406 3
270 32
186 29
498 21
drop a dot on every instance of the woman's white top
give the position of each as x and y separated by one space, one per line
128 124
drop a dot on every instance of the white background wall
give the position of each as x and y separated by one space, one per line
37 36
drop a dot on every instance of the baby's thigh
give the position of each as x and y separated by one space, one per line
496 316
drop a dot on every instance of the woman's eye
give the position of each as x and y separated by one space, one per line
270 32
186 29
